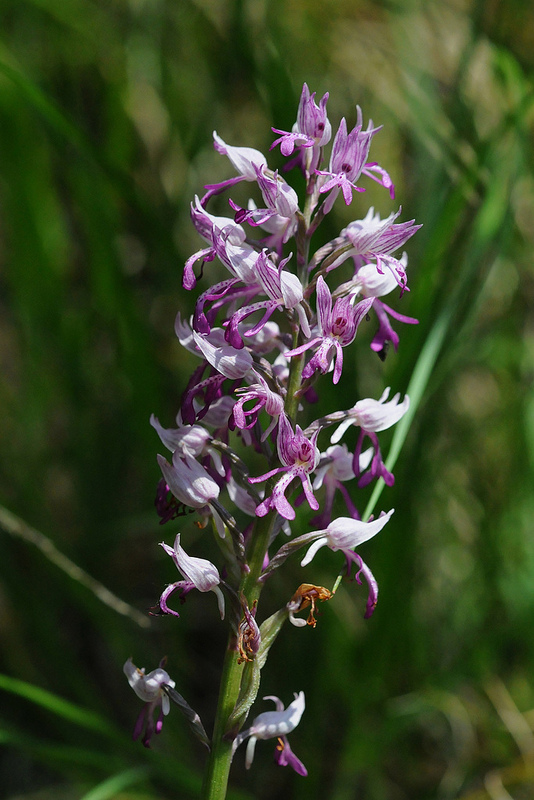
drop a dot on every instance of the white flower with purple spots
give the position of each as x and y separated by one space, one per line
300 456
337 329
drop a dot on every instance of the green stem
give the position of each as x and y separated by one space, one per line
218 767
294 383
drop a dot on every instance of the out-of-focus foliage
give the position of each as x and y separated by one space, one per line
106 114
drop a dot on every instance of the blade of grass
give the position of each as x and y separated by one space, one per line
116 783
53 754
20 529
57 705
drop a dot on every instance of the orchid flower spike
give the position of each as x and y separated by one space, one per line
275 724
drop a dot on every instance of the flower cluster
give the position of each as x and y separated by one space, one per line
273 322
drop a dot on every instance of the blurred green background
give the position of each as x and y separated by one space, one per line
106 114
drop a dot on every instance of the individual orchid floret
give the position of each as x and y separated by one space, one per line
337 329
227 360
210 228
264 399
300 456
283 289
188 480
311 131
346 533
281 204
243 159
199 573
348 160
308 594
374 239
372 416
371 283
275 725
151 689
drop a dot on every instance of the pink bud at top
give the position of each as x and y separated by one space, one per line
311 131
312 119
